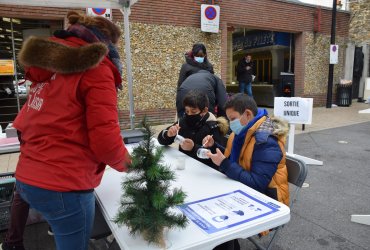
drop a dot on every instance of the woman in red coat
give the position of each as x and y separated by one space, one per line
69 125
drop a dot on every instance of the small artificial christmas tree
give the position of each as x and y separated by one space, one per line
147 197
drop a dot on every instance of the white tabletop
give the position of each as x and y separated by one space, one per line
199 182
9 145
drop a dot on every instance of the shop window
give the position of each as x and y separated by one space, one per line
13 32
263 69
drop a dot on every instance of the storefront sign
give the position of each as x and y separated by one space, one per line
260 39
334 53
99 12
210 18
6 67
294 109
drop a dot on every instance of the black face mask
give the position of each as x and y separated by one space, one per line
193 120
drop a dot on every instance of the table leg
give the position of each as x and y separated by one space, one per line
362 219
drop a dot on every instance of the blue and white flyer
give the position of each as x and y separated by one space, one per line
227 210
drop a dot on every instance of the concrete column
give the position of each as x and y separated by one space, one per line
277 63
348 65
224 51
299 65
362 87
230 70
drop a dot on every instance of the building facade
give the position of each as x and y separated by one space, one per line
162 31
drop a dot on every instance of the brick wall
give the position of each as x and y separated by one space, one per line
154 117
277 15
258 14
319 100
33 12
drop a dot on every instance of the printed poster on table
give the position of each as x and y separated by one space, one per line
227 210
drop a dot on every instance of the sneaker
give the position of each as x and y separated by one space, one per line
5 246
50 232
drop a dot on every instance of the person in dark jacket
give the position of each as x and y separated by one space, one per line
205 82
196 124
245 74
195 60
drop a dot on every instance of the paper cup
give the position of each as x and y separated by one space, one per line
181 162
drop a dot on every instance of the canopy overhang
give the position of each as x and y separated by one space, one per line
108 4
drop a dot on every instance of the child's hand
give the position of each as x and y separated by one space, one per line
208 141
172 131
216 158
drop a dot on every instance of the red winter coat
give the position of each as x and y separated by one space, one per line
69 124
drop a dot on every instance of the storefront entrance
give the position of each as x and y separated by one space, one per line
13 32
272 53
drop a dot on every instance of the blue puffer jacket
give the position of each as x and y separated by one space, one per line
256 157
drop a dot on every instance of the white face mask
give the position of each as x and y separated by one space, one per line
199 59
236 126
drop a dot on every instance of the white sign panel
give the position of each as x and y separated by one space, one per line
294 109
99 12
368 83
334 53
210 18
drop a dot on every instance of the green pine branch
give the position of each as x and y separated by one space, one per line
147 194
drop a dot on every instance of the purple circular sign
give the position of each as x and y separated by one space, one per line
99 11
210 13
334 48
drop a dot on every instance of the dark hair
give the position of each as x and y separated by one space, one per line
196 99
240 102
198 47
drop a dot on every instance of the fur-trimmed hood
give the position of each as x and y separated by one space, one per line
281 127
55 55
222 123
275 126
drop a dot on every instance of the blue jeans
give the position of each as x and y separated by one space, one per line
70 214
245 88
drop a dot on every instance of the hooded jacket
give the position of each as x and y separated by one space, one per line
261 162
191 66
208 126
69 124
208 83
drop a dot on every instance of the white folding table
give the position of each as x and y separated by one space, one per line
9 145
199 182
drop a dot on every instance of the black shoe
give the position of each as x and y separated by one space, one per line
5 246
50 232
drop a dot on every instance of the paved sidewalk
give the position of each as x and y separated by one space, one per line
320 218
323 118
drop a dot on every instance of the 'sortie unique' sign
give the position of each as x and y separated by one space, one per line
294 109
